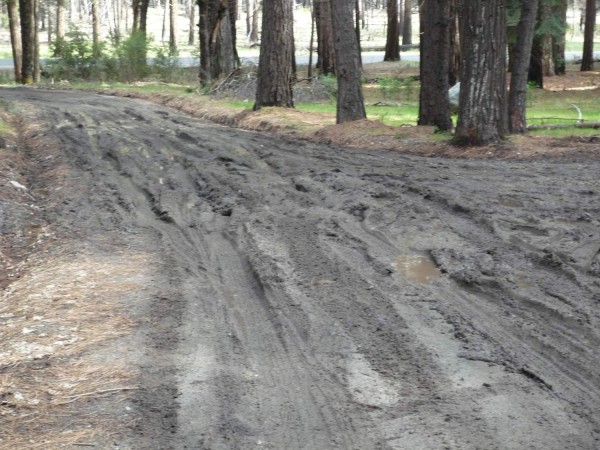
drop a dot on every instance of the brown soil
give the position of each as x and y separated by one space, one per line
170 283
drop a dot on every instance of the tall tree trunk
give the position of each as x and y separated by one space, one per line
357 16
217 52
233 14
252 7
434 105
37 70
27 18
454 66
325 46
546 15
60 20
143 19
482 117
350 101
49 28
587 62
136 6
248 7
172 27
164 21
407 24
204 38
536 64
311 44
275 71
392 43
114 18
192 25
559 41
95 29
225 50
401 13
15 37
517 100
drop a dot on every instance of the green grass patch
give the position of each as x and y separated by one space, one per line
567 132
5 128
393 115
563 107
239 104
317 107
404 114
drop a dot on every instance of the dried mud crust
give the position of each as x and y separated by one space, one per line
280 293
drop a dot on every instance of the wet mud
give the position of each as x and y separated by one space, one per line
316 297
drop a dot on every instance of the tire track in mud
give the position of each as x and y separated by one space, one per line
564 354
284 320
563 349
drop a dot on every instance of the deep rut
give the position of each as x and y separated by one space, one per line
288 316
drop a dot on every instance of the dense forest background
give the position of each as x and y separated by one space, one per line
476 43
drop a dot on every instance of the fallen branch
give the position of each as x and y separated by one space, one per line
551 126
216 89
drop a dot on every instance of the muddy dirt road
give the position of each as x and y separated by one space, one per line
313 297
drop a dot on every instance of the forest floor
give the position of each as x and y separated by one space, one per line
170 282
372 134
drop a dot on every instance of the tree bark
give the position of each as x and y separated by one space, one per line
60 19
547 15
233 11
517 99
192 20
350 101
325 47
392 43
357 16
15 37
587 62
275 68
28 31
143 19
136 6
482 117
172 27
252 22
205 74
407 23
217 52
95 29
559 41
434 105
536 64
49 29
37 70
454 66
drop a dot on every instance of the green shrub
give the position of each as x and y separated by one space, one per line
329 83
392 88
74 57
132 54
166 67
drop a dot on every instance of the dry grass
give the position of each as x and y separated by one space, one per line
62 310
52 387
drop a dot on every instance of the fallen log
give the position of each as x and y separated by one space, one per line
551 126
